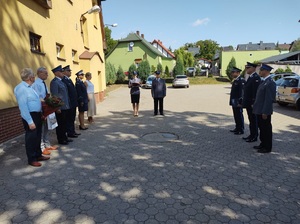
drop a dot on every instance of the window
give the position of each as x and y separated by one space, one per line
35 42
74 56
60 54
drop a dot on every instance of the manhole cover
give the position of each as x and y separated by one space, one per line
160 137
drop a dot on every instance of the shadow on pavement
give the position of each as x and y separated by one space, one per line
111 174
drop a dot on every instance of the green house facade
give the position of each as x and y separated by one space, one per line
133 50
241 58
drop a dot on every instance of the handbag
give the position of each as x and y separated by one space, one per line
51 121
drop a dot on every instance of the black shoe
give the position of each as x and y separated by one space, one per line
155 115
69 140
233 130
239 133
77 133
82 128
263 150
251 140
258 147
73 136
63 143
246 138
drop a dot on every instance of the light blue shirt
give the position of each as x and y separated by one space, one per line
28 101
39 87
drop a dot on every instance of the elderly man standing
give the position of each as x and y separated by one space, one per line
59 89
263 108
30 107
250 89
40 87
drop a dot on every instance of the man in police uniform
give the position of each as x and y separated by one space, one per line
250 89
263 108
158 92
73 99
236 99
59 89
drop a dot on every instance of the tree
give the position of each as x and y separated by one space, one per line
231 64
120 75
279 70
131 69
144 70
167 71
296 45
288 69
187 57
159 67
208 49
179 67
110 73
111 43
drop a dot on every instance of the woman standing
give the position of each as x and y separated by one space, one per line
135 84
82 99
91 95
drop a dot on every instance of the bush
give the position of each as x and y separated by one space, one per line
131 69
110 73
144 70
279 70
231 64
120 75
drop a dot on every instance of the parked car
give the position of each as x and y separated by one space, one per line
289 91
149 80
181 81
277 76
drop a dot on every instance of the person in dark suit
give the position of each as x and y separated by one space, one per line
83 99
71 113
59 89
263 108
250 89
236 100
158 91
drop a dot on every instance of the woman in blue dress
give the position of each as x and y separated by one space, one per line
82 99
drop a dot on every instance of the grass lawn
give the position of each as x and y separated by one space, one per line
200 80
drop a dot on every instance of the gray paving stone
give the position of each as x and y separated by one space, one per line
111 174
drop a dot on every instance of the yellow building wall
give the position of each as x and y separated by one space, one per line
61 25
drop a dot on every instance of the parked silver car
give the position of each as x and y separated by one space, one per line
181 81
289 91
149 80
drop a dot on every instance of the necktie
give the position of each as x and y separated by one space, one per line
45 87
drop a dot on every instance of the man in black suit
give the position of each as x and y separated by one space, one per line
236 99
73 99
158 92
263 108
250 89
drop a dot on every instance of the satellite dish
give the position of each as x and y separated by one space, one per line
131 44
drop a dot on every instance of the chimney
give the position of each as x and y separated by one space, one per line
138 32
143 36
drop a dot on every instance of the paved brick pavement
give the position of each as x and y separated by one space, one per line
115 173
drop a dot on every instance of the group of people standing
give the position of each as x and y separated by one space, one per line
256 94
30 94
158 92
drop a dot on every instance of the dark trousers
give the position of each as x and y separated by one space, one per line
265 131
159 101
33 137
71 116
238 118
253 126
61 129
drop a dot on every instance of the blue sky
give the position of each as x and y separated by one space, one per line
228 22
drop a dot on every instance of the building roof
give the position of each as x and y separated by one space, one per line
167 50
135 37
256 46
89 55
194 50
284 46
288 58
